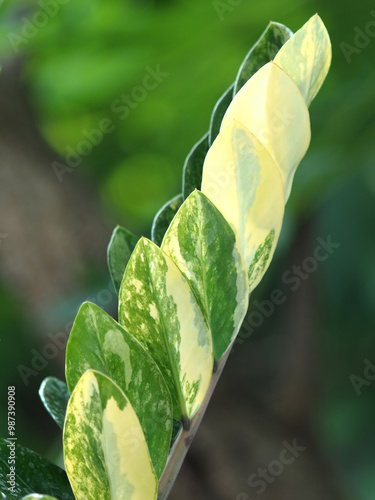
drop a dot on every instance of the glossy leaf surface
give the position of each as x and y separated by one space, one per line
98 342
119 250
164 217
55 396
158 307
242 180
204 247
105 451
192 174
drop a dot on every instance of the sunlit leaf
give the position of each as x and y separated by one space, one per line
192 174
55 396
33 473
164 217
242 180
204 247
98 342
105 451
264 51
271 106
35 496
119 250
306 57
218 113
157 306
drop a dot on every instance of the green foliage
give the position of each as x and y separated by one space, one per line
183 296
32 474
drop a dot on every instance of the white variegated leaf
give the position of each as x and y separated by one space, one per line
157 306
271 106
204 247
242 180
306 57
105 451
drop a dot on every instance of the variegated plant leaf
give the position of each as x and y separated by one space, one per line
54 395
33 473
218 113
98 342
164 217
204 247
120 247
35 496
271 106
242 180
105 451
264 51
192 174
157 306
306 57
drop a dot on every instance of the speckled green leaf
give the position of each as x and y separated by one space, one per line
192 173
105 451
164 217
306 57
157 306
120 247
34 474
242 180
217 115
98 342
265 50
55 396
271 106
204 247
35 496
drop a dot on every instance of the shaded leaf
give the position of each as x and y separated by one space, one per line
242 180
217 115
204 247
306 57
264 51
120 247
164 217
98 342
105 451
55 396
33 474
158 307
192 173
271 107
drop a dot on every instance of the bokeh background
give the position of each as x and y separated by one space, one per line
298 373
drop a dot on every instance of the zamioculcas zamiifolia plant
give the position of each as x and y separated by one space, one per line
136 389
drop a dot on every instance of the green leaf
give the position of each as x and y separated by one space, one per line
98 342
204 247
118 254
242 180
33 473
192 174
164 217
3 497
35 496
157 306
105 451
177 426
272 108
55 396
306 57
264 51
218 113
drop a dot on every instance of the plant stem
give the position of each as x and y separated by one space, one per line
184 440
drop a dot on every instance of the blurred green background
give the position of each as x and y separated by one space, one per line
78 157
